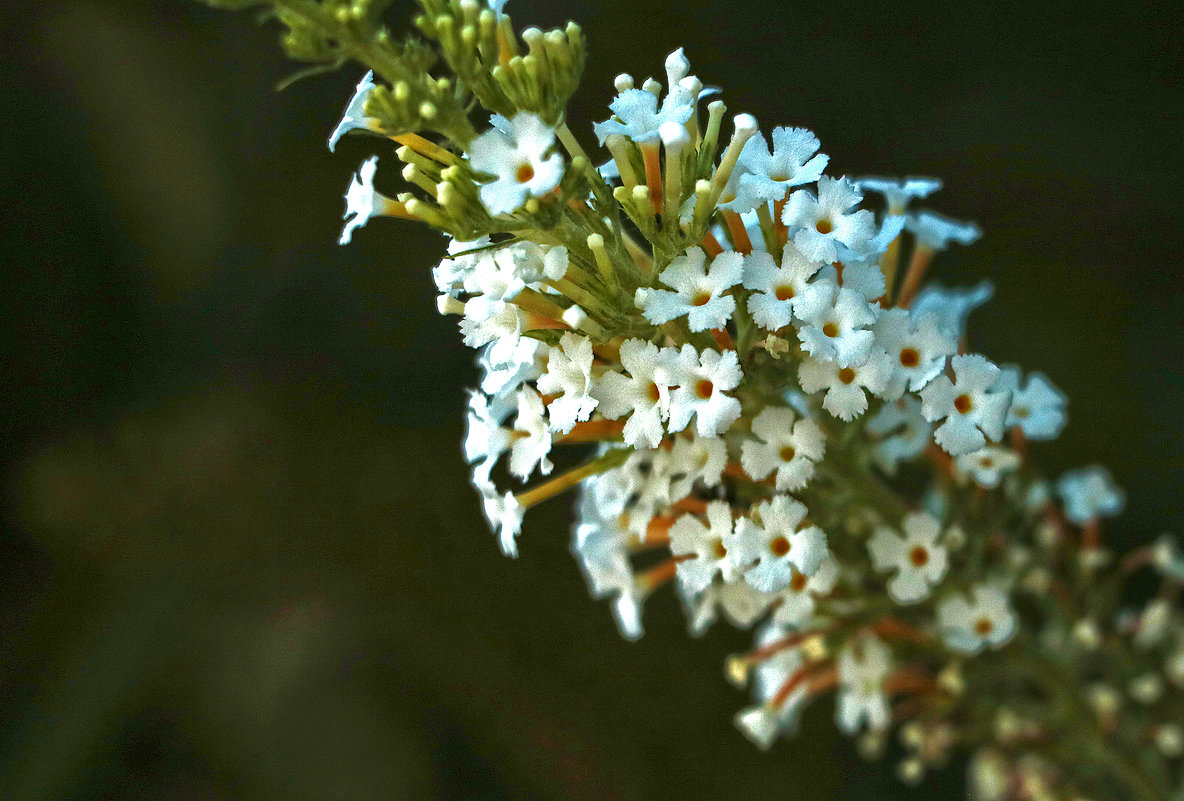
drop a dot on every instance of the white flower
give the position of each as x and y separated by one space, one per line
764 723
569 373
504 514
777 545
797 603
705 545
765 177
863 666
696 461
845 398
508 364
789 448
485 437
739 604
824 227
1089 493
835 324
487 321
968 625
776 289
644 394
866 279
362 202
935 232
599 546
505 272
952 306
987 465
973 409
905 430
1038 409
355 113
702 380
698 292
919 348
532 437
639 118
640 490
515 153
898 192
918 559
462 260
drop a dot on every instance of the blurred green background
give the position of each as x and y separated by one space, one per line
240 558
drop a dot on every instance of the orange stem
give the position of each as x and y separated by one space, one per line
740 240
712 245
912 279
593 431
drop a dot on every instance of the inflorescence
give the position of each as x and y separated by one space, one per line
783 423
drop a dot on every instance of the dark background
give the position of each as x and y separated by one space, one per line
240 557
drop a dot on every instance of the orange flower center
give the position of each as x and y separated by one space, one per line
525 173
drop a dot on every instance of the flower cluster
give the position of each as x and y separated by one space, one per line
782 420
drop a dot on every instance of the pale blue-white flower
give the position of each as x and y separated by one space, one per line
903 431
1089 493
827 227
636 115
515 152
787 446
898 192
835 324
698 292
1037 408
355 112
845 386
918 346
532 436
935 232
914 555
972 406
796 602
569 375
952 306
703 379
771 544
764 723
776 290
704 545
983 619
863 665
644 394
764 176
504 513
987 466
362 201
